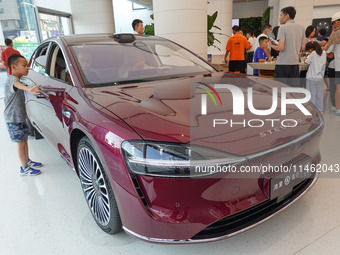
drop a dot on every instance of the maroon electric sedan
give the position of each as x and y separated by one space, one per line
166 146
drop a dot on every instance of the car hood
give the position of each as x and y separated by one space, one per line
171 110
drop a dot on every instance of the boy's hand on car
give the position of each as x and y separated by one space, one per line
35 90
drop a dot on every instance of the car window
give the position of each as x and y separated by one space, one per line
58 67
142 60
39 62
168 56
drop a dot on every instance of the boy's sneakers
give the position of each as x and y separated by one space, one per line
33 163
29 171
337 112
333 109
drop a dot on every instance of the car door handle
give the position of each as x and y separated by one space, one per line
67 114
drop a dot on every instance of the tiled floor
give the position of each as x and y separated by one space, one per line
47 214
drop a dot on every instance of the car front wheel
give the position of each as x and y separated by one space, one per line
97 189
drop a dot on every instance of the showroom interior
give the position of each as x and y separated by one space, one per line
47 214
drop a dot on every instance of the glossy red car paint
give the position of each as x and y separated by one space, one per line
163 209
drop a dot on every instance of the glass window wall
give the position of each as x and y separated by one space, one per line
27 25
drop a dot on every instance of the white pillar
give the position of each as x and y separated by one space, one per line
92 16
226 26
274 12
223 21
2 39
184 22
304 12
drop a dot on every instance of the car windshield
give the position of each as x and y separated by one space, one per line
142 60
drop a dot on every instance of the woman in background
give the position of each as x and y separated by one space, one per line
315 73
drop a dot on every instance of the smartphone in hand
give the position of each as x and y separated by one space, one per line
274 42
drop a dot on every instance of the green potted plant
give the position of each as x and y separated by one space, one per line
211 35
150 29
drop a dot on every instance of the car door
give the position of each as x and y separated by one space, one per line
37 75
52 113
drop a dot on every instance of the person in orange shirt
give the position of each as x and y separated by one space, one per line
7 53
236 46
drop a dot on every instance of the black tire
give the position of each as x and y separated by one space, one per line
97 189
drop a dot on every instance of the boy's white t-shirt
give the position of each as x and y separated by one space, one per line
252 41
331 64
317 65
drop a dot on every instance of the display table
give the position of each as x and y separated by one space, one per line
270 66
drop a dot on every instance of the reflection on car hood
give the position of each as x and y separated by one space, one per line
170 110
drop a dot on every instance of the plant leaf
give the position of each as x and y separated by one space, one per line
210 22
217 27
214 16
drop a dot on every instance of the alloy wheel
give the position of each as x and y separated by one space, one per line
94 186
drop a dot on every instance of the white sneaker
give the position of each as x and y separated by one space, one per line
333 109
337 112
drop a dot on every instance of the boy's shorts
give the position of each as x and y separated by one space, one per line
18 131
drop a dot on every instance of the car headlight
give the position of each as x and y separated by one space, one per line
173 160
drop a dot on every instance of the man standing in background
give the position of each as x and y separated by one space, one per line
236 46
7 53
250 53
291 39
333 49
137 26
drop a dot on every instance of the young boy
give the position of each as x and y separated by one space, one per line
321 35
260 55
15 111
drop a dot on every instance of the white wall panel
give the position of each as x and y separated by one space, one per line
92 16
320 12
59 5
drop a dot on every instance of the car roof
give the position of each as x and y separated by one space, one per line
100 39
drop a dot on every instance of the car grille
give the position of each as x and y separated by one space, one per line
250 216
